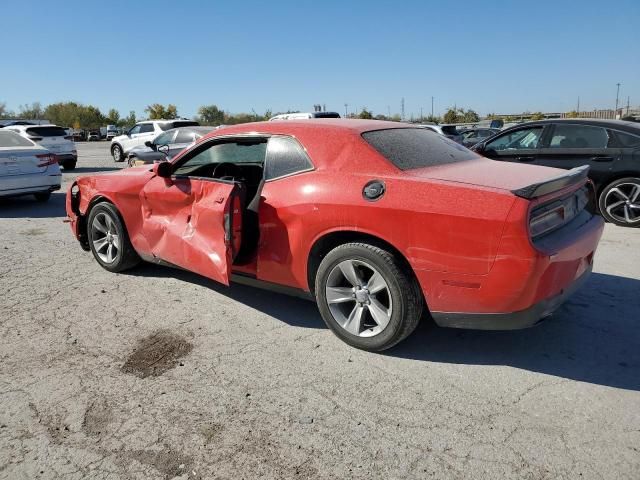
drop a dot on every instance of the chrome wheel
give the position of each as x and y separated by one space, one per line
105 237
359 298
622 203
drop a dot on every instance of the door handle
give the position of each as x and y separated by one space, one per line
525 159
601 158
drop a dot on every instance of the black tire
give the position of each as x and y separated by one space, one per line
42 196
126 257
131 160
117 153
403 290
609 197
69 165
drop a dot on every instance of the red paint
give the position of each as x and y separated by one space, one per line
464 234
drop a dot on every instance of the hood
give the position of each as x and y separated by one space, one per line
489 173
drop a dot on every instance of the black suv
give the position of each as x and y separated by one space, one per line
611 148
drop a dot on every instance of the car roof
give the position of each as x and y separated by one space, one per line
346 125
596 122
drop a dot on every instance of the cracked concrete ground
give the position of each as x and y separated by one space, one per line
256 386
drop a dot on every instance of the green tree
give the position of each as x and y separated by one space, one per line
158 111
113 117
433 119
572 114
129 120
396 117
366 114
72 113
210 115
451 116
31 112
470 116
4 111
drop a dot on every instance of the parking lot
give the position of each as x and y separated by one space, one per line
160 373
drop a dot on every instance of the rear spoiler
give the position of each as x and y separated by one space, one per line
574 176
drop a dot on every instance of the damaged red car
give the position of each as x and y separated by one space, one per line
381 223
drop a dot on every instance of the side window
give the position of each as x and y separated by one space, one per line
525 138
285 156
238 152
134 130
578 136
626 140
185 136
164 139
471 134
146 128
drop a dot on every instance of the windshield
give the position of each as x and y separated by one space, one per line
409 148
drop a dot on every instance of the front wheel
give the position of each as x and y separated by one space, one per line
117 153
367 297
109 240
620 202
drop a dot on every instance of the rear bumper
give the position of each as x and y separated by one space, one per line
510 321
25 184
66 157
523 286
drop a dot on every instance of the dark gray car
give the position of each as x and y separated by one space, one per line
611 148
166 145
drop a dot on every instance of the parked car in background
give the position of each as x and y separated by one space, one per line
381 225
93 136
26 167
54 139
449 131
474 135
304 115
112 132
142 132
611 148
166 145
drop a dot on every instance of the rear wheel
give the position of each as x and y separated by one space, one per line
109 240
620 202
69 165
367 297
117 153
42 196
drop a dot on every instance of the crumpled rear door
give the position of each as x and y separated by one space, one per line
187 222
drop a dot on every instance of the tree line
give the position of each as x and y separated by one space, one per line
80 116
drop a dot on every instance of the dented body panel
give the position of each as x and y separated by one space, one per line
459 226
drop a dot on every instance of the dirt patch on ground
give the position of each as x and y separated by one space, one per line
33 232
156 354
168 462
97 417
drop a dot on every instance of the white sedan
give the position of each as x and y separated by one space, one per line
27 168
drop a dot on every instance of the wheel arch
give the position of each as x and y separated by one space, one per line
330 240
615 177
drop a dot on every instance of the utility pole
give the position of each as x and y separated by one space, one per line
402 109
346 112
578 108
431 106
421 116
388 111
615 113
627 106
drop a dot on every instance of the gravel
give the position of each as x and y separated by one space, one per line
248 383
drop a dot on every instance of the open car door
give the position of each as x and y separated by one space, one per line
193 223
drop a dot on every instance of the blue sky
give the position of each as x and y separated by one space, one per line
491 56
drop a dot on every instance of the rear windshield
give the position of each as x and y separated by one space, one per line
46 131
170 125
449 130
10 139
326 115
409 148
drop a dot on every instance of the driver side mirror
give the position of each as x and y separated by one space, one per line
148 143
162 169
163 148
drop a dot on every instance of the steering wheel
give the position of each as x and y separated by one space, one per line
225 169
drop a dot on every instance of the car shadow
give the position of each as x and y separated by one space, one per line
594 337
27 206
294 311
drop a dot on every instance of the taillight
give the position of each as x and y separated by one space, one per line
46 159
553 215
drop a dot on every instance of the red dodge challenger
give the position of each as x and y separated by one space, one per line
380 222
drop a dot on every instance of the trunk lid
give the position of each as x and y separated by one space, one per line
21 161
489 173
